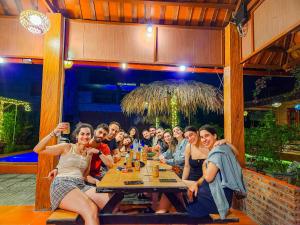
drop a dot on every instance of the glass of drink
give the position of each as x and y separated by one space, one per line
138 156
137 165
67 128
145 156
155 171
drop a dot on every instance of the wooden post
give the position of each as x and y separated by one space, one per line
233 92
51 102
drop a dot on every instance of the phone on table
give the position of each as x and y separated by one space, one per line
171 180
133 182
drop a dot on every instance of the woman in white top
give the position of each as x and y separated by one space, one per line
68 189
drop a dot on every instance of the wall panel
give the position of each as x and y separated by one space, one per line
190 46
270 20
16 41
107 42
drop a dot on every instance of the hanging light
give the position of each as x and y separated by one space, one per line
34 21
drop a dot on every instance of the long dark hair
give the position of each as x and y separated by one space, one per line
136 136
173 144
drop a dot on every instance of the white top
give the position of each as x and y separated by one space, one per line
72 164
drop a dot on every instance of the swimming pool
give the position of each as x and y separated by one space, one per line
23 157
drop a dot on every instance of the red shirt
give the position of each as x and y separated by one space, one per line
96 161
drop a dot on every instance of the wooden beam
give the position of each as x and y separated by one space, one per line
153 67
183 3
233 92
149 67
281 73
261 66
50 6
276 49
51 102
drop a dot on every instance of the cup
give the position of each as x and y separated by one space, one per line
155 171
137 165
129 163
138 156
67 128
145 156
131 154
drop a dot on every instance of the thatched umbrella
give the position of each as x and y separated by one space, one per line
154 100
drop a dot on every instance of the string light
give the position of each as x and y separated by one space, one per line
156 122
174 111
15 102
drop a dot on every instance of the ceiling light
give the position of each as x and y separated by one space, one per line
34 21
124 66
150 29
276 104
2 60
27 61
182 68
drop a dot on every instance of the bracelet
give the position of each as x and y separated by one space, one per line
52 134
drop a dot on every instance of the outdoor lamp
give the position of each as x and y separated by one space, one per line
68 64
276 104
34 21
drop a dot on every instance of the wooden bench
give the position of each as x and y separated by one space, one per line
62 217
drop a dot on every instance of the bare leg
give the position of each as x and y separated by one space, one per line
100 199
78 202
164 205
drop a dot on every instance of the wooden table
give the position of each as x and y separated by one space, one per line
113 182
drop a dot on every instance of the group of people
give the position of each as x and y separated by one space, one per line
208 167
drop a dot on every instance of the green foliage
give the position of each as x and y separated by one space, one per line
24 130
267 141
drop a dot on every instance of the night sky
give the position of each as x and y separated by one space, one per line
95 89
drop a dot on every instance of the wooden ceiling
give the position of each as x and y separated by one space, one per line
200 13
278 55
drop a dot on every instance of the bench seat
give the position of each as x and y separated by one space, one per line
62 217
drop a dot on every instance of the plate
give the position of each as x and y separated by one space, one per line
151 154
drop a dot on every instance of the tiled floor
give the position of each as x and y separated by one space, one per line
17 189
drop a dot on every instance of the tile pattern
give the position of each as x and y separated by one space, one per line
17 189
